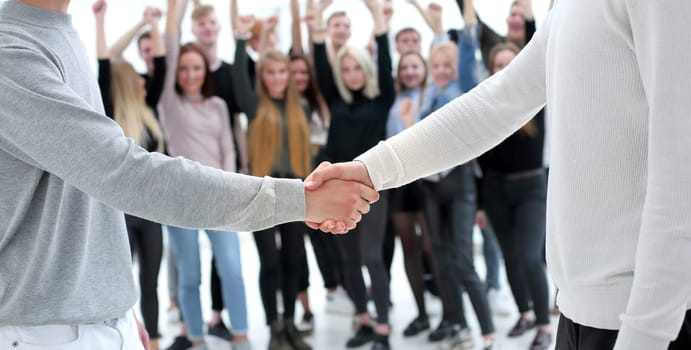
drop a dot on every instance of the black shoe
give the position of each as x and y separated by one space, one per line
220 330
364 335
279 340
381 342
180 343
523 325
542 340
294 337
416 326
445 330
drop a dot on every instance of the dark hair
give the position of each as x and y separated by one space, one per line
145 35
406 30
313 95
207 86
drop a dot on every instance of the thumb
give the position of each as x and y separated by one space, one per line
318 176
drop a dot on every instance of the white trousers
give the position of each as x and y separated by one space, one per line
117 334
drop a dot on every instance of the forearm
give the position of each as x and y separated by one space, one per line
242 86
158 46
296 28
101 46
121 44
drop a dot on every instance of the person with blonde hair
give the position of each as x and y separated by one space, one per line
359 98
279 141
126 100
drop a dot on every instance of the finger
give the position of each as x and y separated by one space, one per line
327 226
357 217
323 172
363 207
369 194
312 225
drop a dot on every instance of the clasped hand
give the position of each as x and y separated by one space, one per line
337 195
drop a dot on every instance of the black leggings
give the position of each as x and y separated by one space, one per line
328 259
146 242
363 246
517 210
281 267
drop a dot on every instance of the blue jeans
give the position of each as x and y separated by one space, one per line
492 253
226 250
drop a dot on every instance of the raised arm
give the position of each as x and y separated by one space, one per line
268 27
488 37
387 90
296 28
322 65
244 94
121 43
432 15
234 14
172 45
468 44
662 274
153 94
99 9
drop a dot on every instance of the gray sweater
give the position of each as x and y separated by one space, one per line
67 174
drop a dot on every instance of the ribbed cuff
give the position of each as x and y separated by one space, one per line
380 164
632 339
290 200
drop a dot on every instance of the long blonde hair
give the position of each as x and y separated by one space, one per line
129 107
363 58
266 133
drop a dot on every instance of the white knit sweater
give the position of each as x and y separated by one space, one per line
617 80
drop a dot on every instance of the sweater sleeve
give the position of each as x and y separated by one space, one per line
153 95
244 93
466 127
662 279
172 55
324 73
63 135
104 84
467 63
387 89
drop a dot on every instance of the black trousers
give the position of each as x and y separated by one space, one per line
281 267
146 242
573 336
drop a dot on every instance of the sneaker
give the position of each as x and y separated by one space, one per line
306 325
445 330
241 345
338 302
498 303
364 335
487 344
381 342
180 343
220 330
522 325
173 315
462 340
417 326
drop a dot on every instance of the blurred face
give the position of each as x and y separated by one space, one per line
353 74
411 71
502 59
516 24
146 52
275 76
408 41
206 29
339 30
191 73
301 75
442 69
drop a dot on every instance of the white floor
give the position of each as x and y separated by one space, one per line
332 330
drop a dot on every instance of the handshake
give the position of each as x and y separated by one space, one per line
337 195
